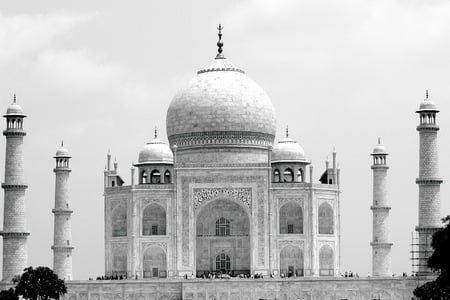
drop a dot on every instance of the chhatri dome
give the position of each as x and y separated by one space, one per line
288 150
155 151
427 104
14 109
62 152
218 104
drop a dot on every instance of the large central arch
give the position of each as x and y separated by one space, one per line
222 238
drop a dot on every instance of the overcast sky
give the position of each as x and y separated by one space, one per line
101 74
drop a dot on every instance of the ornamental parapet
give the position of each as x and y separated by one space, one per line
11 234
428 127
14 132
59 211
221 138
62 248
430 181
14 187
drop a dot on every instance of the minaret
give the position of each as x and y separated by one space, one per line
62 246
15 257
429 182
381 248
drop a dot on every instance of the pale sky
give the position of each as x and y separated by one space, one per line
101 74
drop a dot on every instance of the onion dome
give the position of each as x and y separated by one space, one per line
14 109
155 152
288 150
427 105
221 105
62 152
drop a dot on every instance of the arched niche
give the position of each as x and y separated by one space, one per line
119 221
291 218
326 261
291 261
326 219
234 243
119 262
154 220
154 263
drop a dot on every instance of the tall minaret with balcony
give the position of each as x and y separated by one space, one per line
381 247
15 257
429 182
62 240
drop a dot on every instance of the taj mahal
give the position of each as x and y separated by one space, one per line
224 196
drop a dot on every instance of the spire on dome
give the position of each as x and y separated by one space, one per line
220 43
14 97
287 131
426 94
156 133
379 141
62 143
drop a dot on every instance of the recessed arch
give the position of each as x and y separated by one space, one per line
155 176
167 177
326 261
119 262
291 218
154 262
119 221
235 243
154 220
291 261
276 176
300 177
326 219
144 177
288 175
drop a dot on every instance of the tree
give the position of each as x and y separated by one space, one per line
440 262
8 295
40 283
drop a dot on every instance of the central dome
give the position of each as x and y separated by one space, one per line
221 105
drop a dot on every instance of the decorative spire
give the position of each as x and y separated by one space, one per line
156 133
220 43
287 131
14 97
379 141
62 143
426 94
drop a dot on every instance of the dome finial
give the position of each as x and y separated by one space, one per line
379 141
220 43
62 143
14 97
287 131
426 94
156 133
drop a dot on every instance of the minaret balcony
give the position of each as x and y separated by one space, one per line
427 127
429 180
14 187
62 211
14 132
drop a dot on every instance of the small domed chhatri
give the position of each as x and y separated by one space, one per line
155 151
288 150
427 104
14 109
379 149
221 105
62 152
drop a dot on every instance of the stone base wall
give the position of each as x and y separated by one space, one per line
245 289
